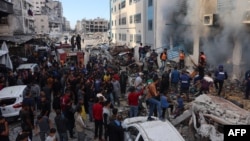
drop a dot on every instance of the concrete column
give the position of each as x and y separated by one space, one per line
171 42
236 60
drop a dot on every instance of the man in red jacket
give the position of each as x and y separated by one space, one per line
97 114
133 98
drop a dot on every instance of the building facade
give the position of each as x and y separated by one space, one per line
127 22
38 4
49 17
42 24
17 21
6 11
92 25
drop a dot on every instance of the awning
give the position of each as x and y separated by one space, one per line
19 39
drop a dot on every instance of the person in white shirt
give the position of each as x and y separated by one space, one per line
138 81
52 135
79 124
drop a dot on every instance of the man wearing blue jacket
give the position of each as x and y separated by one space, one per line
185 83
175 76
220 76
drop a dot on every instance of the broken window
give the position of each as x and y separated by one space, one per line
150 24
3 20
137 18
124 21
123 4
150 3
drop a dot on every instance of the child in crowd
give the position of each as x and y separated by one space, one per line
52 135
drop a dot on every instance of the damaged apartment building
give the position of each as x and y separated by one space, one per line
49 17
220 28
92 25
20 20
16 20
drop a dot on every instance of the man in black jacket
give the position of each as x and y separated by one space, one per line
115 130
72 41
78 42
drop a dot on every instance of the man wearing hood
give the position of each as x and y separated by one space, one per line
220 76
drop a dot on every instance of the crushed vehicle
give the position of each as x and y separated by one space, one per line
207 114
139 129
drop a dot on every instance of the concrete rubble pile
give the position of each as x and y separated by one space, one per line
115 50
207 113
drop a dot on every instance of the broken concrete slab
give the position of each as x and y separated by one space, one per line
186 114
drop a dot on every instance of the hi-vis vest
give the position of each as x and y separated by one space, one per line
181 56
164 56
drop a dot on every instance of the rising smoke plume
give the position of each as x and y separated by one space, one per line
185 21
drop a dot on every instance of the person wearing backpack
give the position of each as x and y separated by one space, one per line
220 76
163 58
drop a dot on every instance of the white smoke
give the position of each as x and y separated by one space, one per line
185 18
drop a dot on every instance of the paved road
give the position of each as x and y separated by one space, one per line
15 129
15 126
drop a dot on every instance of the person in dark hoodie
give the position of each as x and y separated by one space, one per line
220 76
78 42
72 41
115 130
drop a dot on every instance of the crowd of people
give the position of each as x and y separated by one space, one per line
80 94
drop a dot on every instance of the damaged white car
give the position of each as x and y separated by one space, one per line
139 129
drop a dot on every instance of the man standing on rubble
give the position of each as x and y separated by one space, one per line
78 42
154 55
153 98
163 58
181 59
72 41
185 83
220 76
140 52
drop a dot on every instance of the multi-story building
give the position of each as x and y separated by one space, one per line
42 24
92 25
38 4
27 16
78 26
17 17
67 25
6 9
128 22
49 17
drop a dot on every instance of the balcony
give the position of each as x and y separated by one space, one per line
6 7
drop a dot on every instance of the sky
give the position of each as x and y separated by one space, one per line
75 10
